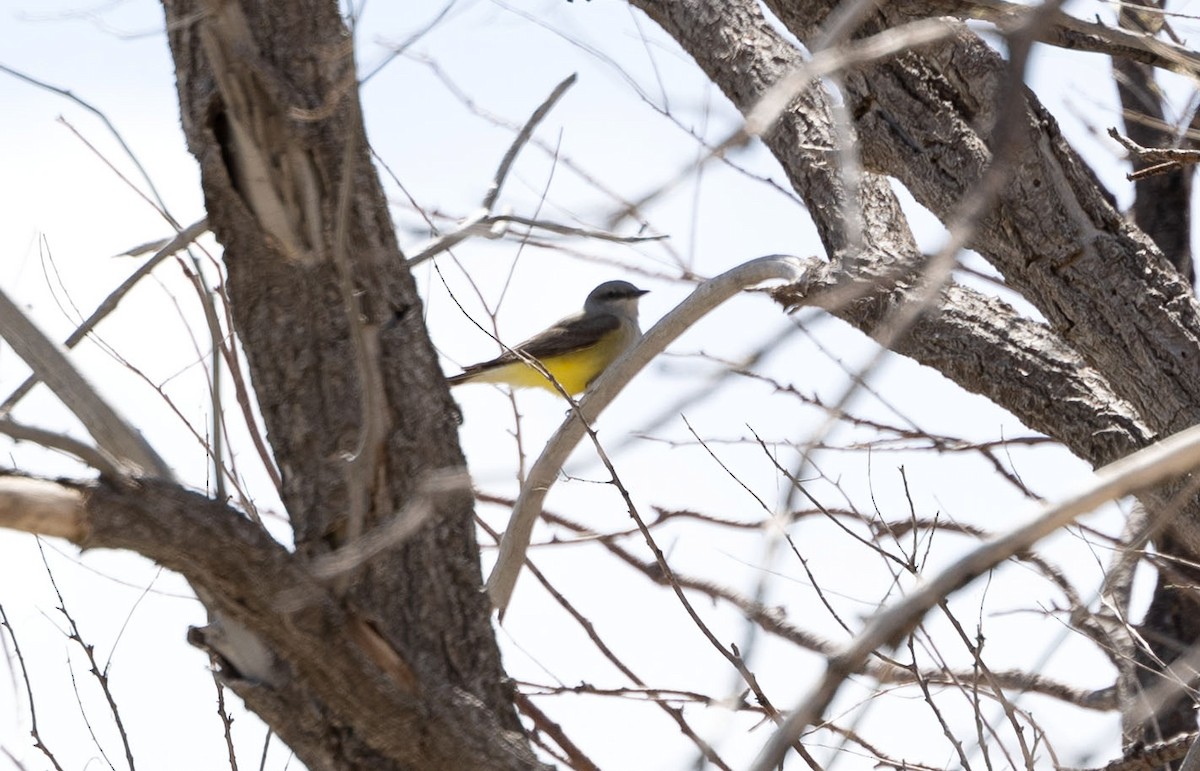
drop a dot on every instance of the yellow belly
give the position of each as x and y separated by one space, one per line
573 371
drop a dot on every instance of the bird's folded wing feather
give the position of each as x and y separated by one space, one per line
566 335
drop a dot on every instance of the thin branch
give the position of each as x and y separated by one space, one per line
94 111
1163 159
109 304
770 620
412 39
1173 456
482 222
262 762
732 655
1065 31
764 113
953 739
33 724
543 109
226 722
89 651
675 713
543 723
492 226
50 363
94 457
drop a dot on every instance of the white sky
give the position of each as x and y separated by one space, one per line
64 214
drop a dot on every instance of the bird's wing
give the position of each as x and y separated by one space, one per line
566 335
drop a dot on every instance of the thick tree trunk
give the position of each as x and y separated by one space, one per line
357 413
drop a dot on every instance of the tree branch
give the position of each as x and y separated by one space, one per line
1170 458
325 648
50 364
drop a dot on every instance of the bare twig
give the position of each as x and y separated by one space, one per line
954 741
109 429
226 722
771 621
731 654
89 651
38 742
1163 159
262 763
542 722
763 115
109 304
543 109
481 224
94 111
675 713
1175 455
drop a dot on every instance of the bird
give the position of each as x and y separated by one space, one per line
574 350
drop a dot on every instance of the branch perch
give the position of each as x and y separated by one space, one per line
544 472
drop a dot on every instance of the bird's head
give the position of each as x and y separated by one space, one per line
619 297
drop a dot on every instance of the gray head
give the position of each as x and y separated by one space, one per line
617 297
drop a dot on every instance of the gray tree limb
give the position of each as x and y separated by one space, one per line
1117 363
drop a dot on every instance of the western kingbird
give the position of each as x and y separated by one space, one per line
575 350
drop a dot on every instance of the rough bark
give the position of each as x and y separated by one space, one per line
393 665
965 331
333 700
925 118
1162 206
1117 363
